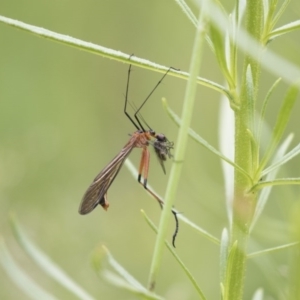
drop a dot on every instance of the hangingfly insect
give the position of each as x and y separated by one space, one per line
96 194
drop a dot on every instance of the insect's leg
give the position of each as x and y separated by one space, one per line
151 92
103 202
142 164
176 227
126 100
146 166
161 204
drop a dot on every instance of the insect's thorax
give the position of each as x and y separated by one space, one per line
161 144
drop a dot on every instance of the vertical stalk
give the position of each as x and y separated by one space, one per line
180 148
244 202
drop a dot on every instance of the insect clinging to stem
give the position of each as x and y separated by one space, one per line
96 194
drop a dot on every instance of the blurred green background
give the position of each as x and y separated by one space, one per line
61 122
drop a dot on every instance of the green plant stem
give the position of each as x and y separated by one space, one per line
179 151
244 202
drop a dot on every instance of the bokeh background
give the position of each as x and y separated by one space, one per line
62 121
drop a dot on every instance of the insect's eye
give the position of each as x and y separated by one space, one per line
152 132
161 137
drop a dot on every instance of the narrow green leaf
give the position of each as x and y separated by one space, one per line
180 216
281 161
226 133
290 27
264 108
180 262
269 11
264 195
228 51
119 282
224 255
254 150
198 229
264 264
282 120
283 181
122 272
230 262
20 278
274 249
202 141
266 11
280 12
122 278
46 264
219 47
187 11
235 22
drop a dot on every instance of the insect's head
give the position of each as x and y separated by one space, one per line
162 146
161 138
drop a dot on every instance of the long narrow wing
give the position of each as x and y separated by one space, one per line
160 159
96 193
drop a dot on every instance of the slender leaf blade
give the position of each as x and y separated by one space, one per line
226 142
283 160
177 258
123 272
229 273
20 278
121 278
288 28
119 282
264 108
196 137
281 123
281 181
224 255
220 52
280 12
107 52
47 265
264 195
273 249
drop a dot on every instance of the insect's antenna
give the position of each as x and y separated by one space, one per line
126 100
159 82
132 104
